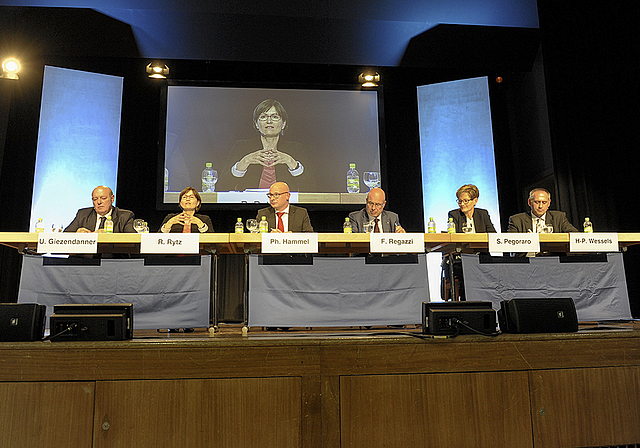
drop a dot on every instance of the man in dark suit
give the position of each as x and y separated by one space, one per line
281 216
86 220
374 213
540 216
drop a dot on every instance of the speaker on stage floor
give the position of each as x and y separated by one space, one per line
544 315
22 322
91 322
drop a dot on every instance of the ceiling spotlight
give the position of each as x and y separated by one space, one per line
369 79
10 68
157 70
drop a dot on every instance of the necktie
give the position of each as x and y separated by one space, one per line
102 220
268 177
280 222
539 225
376 229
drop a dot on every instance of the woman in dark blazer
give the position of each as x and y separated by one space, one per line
468 213
188 220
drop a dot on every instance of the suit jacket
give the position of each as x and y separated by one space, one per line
177 228
87 218
298 218
481 220
388 220
522 222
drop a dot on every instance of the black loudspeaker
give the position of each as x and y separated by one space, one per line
557 315
452 318
22 322
91 322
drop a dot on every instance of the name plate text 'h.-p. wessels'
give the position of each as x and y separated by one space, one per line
593 242
169 243
514 242
67 243
290 243
396 242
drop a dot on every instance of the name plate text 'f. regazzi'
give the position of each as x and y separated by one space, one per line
397 242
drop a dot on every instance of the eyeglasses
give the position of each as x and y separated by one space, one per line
374 204
541 202
188 196
265 117
276 195
464 201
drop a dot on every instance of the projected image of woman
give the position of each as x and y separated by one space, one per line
261 161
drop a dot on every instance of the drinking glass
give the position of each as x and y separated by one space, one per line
547 229
252 225
367 227
138 225
371 179
214 179
466 228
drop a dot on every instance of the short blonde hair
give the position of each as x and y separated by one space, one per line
470 189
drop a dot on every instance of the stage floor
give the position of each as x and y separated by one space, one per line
325 388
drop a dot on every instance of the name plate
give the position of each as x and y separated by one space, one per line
169 243
514 242
397 242
67 243
593 242
296 243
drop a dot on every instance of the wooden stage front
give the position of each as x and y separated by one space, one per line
339 388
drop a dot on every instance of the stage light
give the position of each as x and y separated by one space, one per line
369 79
10 68
157 70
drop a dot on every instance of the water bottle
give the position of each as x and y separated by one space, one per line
39 226
264 225
108 225
239 226
346 227
431 226
451 226
353 179
166 179
208 182
588 226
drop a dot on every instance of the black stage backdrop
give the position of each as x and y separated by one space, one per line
586 123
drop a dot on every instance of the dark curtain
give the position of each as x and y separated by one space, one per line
590 55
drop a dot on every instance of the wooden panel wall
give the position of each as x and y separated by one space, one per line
467 409
223 412
46 414
585 407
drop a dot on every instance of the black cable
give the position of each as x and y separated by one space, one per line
66 330
457 322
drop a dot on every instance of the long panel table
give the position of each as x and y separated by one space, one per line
236 243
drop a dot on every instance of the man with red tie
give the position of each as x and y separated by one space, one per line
375 215
282 216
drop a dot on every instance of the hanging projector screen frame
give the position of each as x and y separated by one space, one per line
328 127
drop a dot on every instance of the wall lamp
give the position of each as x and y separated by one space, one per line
369 79
10 68
157 70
